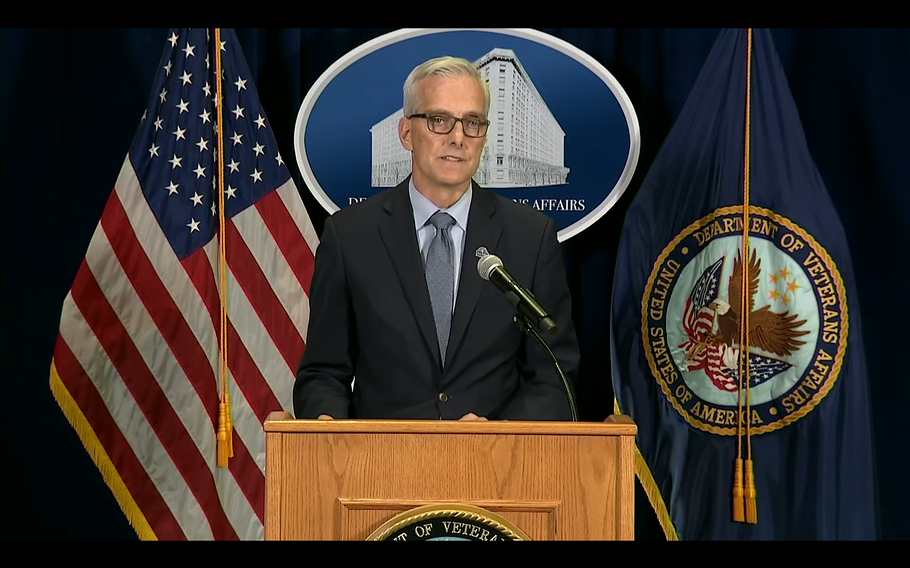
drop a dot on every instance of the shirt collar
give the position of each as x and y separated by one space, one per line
424 208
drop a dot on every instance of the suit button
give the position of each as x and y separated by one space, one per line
443 397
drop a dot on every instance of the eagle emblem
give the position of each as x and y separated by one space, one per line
713 327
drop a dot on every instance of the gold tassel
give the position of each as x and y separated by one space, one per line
738 515
751 505
229 424
223 448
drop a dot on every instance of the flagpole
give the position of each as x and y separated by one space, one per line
225 434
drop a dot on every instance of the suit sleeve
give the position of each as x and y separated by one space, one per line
325 373
542 396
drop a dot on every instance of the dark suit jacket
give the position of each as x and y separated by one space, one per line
370 318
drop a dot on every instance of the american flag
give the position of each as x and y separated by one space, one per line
136 368
698 320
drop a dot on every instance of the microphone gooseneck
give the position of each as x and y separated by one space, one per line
529 314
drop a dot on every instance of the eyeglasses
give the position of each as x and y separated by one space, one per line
443 124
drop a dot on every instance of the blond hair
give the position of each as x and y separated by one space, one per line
441 67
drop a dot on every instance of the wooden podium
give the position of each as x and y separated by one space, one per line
345 479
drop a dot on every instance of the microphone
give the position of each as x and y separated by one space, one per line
490 268
529 313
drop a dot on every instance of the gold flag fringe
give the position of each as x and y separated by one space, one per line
643 473
102 460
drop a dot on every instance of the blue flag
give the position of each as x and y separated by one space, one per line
739 353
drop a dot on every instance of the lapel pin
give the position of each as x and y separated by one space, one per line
481 252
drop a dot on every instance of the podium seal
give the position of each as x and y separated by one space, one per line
448 521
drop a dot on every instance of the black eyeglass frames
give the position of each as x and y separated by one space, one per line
443 124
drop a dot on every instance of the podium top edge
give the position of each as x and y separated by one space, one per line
615 425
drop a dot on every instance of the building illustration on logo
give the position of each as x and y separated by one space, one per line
525 145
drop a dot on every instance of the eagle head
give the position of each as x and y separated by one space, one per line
720 306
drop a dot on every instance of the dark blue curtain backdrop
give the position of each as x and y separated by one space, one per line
70 102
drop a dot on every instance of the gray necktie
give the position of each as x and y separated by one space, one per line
440 274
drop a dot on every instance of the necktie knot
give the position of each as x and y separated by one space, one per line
442 220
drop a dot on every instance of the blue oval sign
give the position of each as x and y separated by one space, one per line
563 139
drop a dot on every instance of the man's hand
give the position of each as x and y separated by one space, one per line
325 417
471 416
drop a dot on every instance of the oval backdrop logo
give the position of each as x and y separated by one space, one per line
563 137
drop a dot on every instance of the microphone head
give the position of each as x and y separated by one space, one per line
486 264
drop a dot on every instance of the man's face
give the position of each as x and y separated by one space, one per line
444 161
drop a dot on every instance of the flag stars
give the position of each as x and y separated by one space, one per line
193 225
236 138
256 175
179 133
241 84
173 39
183 106
197 199
260 121
172 188
175 161
206 60
234 165
153 151
200 171
258 148
167 68
158 124
163 95
223 43
205 116
238 112
189 49
186 78
207 89
203 144
280 161
213 208
231 192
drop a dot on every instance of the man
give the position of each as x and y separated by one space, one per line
400 305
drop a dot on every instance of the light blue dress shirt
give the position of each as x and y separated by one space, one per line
424 209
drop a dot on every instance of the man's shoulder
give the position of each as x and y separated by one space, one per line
516 213
363 213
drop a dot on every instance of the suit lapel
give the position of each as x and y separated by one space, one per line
400 238
483 231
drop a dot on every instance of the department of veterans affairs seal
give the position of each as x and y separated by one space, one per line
448 521
692 311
